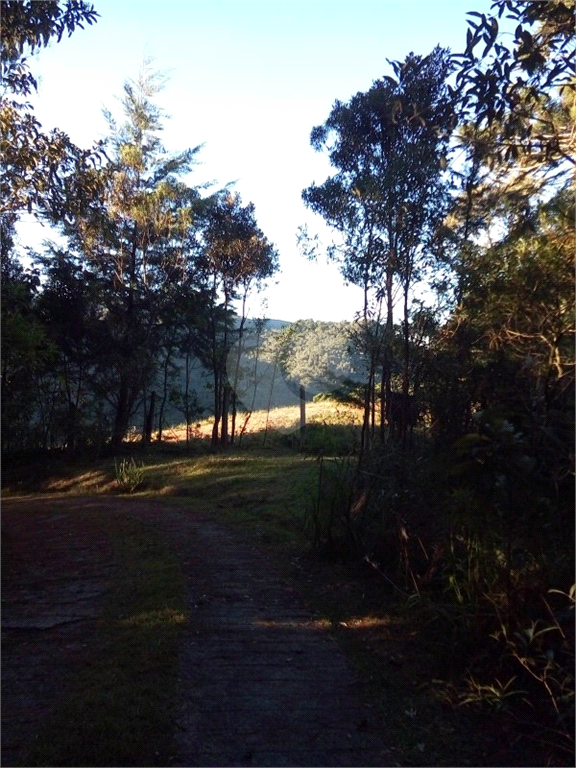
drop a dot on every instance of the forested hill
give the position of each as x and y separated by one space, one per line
270 324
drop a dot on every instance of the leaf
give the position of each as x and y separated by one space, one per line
488 48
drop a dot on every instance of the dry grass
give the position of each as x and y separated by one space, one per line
281 420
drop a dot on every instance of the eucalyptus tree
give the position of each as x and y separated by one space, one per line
237 258
516 95
135 236
388 194
517 98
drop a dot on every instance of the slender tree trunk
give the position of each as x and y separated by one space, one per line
270 400
365 433
406 372
166 367
383 405
186 401
253 403
149 420
216 370
122 415
302 416
234 398
225 413
389 336
217 407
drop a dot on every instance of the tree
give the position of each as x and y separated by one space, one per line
388 194
26 351
135 235
34 166
237 258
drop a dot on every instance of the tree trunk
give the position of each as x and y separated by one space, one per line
405 420
217 407
149 421
234 397
164 392
225 411
302 416
122 415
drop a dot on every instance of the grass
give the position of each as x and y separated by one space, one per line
260 494
278 421
119 710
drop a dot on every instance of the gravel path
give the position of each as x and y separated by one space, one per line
261 682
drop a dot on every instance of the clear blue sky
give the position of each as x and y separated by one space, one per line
249 80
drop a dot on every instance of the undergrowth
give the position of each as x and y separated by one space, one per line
471 540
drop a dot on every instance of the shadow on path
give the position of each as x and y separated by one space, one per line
261 681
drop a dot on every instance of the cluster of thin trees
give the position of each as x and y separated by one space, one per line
453 180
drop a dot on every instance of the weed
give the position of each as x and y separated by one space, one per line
494 695
128 474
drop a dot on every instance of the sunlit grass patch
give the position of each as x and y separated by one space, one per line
316 624
155 618
92 481
278 421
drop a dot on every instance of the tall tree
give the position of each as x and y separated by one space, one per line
388 195
237 258
135 236
35 166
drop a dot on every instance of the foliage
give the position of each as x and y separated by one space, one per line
36 165
544 651
519 87
236 258
321 356
386 200
26 351
129 242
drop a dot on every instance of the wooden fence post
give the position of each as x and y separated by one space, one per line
302 415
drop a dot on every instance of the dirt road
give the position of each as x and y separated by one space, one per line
261 681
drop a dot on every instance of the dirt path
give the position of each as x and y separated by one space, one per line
261 683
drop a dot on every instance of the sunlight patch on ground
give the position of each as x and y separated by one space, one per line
153 618
312 624
366 622
89 481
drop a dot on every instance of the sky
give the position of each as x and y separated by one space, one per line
248 81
